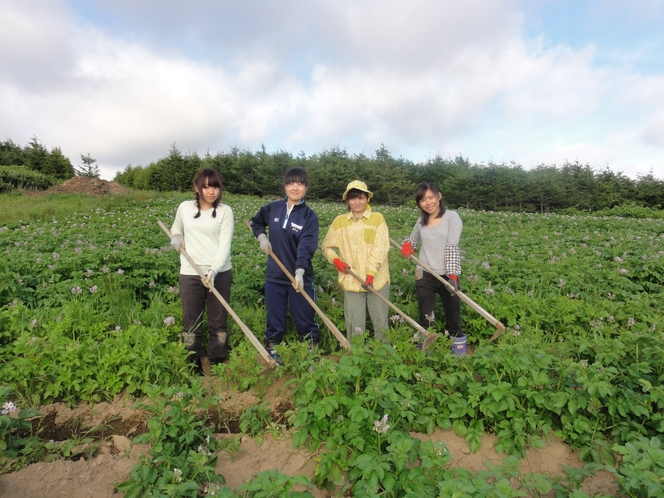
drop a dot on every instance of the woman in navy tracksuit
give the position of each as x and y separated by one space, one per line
293 238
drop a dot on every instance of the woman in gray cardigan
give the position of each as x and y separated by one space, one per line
438 231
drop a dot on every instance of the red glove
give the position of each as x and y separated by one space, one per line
407 250
341 266
454 280
369 281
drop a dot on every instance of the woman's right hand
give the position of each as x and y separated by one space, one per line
265 245
407 250
177 241
341 266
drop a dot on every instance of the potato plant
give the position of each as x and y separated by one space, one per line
89 307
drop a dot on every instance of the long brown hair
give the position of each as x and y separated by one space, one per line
212 178
421 191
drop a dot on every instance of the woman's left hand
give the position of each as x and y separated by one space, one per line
454 282
208 280
299 279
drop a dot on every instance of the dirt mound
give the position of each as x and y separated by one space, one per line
90 186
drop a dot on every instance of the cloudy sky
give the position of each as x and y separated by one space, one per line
529 81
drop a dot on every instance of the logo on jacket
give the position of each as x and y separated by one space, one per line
276 220
297 227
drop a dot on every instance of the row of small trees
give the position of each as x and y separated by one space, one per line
393 180
52 164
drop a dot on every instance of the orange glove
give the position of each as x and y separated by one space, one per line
369 281
407 250
341 266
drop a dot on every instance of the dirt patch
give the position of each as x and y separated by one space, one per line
93 478
549 460
120 417
85 185
270 454
96 477
115 424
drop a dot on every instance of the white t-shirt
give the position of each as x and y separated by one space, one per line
206 239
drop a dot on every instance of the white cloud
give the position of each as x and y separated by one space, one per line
34 44
423 77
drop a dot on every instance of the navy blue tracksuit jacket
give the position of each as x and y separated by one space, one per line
294 239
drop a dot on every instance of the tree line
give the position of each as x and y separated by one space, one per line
37 158
393 180
35 167
494 186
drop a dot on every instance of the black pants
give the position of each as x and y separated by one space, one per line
427 288
195 297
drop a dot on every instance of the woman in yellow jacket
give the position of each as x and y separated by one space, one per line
359 241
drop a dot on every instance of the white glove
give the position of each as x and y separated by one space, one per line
208 280
177 240
266 247
299 280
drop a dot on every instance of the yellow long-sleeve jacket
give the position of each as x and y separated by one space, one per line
363 245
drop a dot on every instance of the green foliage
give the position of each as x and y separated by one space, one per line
89 168
78 351
256 419
632 210
16 208
19 177
642 466
36 157
183 449
12 442
582 359
274 484
242 370
498 187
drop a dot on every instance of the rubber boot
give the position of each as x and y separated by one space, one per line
197 363
459 345
217 348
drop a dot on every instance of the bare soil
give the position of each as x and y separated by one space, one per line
116 423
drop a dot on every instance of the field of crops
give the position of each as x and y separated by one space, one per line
89 308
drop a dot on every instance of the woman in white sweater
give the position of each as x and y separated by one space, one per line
205 227
438 231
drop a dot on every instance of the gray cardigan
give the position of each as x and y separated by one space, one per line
440 244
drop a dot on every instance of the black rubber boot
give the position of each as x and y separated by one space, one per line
198 365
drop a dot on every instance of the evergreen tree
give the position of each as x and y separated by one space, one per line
89 168
35 156
11 154
58 165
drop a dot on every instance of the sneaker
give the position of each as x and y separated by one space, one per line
274 355
312 346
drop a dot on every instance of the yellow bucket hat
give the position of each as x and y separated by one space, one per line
357 185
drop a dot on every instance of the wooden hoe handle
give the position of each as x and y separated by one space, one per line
494 321
250 335
328 323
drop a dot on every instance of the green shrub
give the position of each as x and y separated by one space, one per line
19 177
